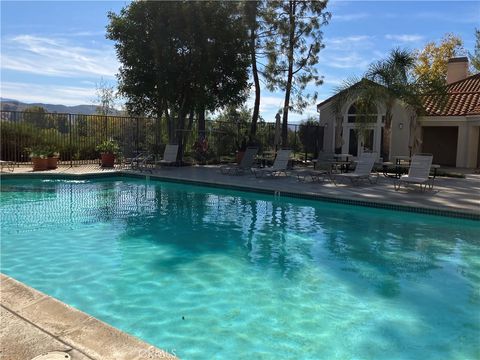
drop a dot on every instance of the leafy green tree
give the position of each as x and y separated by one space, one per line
431 61
180 58
475 57
258 31
293 51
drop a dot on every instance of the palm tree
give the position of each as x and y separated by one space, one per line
366 95
393 76
388 81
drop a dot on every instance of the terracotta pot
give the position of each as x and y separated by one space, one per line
108 160
52 162
40 164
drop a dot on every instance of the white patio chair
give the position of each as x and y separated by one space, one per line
363 170
418 173
169 155
10 165
245 164
279 165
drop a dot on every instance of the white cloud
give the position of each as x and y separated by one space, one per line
349 43
332 80
51 94
269 105
346 61
404 38
349 39
349 17
56 57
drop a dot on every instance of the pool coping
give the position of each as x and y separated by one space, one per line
439 211
43 324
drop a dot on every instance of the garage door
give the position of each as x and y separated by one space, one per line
441 141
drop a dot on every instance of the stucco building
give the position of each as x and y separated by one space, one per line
449 130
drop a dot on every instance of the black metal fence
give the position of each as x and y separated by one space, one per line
75 136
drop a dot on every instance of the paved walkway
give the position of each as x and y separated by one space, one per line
448 194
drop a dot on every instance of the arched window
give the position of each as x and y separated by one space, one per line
362 112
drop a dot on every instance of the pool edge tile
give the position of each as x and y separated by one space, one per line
16 296
92 338
54 316
438 211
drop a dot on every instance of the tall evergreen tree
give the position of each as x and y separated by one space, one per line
252 19
293 52
475 56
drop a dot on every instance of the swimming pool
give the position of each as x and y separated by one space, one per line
218 274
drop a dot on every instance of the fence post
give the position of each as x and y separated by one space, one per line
136 138
70 138
295 141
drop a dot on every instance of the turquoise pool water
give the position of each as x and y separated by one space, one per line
216 274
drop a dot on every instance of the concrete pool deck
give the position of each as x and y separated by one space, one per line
450 196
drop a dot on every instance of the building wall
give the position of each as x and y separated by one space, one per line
400 128
400 132
468 135
327 120
441 141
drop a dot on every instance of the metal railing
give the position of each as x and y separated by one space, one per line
75 136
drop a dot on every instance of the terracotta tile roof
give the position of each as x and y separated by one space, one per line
463 99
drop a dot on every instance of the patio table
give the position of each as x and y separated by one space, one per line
342 162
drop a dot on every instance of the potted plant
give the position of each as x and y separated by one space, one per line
38 155
108 150
52 158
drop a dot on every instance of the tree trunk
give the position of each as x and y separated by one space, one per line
415 134
201 123
158 126
181 126
190 120
387 133
338 132
256 81
170 124
288 88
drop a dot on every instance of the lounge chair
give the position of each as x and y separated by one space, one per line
169 156
322 168
245 164
279 165
324 158
7 164
148 162
418 173
362 171
134 162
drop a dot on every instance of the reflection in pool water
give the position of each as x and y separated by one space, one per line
211 273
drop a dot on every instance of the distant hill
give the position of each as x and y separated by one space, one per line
15 105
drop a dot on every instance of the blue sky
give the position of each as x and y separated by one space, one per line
56 51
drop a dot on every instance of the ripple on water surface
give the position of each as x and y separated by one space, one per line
210 273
